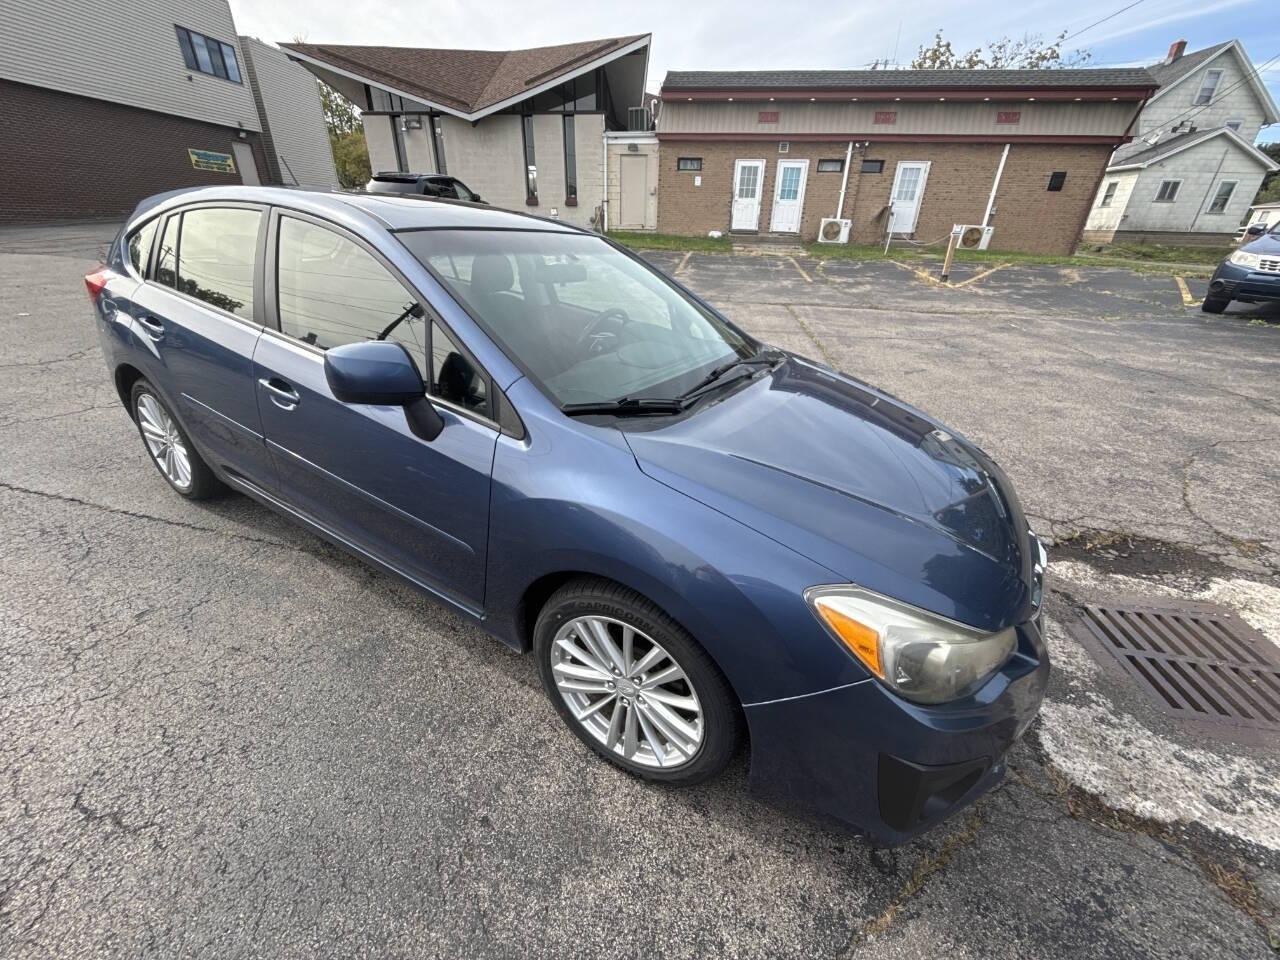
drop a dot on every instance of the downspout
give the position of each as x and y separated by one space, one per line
604 201
844 184
995 185
1212 180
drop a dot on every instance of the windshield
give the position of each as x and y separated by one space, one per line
587 322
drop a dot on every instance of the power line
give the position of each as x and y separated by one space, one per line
1194 110
1103 20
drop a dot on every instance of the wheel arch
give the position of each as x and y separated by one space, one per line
126 375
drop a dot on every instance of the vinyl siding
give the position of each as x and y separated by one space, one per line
128 57
1177 103
1103 221
858 119
1198 169
288 101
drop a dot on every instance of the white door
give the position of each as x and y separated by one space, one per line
908 191
244 160
748 177
788 196
633 177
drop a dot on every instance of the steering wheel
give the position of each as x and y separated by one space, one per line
593 340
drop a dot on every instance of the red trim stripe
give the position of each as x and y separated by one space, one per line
881 137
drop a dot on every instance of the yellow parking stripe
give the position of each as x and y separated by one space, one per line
683 261
984 273
807 278
1187 299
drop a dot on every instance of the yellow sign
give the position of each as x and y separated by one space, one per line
208 160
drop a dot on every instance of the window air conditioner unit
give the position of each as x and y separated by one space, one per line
832 230
971 236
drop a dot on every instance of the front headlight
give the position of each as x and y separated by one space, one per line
1242 259
917 654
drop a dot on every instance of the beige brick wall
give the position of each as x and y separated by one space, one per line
1029 218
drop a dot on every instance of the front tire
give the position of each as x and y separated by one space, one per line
633 685
1214 304
169 446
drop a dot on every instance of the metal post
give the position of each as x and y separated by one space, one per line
946 263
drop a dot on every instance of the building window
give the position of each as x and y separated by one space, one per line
688 163
1220 199
207 55
873 166
1208 86
570 163
830 166
784 147
1168 191
1056 180
437 139
530 166
1235 125
1109 193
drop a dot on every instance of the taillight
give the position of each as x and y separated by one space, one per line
97 282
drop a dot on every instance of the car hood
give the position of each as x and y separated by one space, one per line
858 481
1267 243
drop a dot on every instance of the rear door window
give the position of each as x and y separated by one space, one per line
216 252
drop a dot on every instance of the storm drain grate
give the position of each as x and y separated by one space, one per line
1201 662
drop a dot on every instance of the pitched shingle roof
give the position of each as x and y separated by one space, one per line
901 79
1167 73
464 80
1128 156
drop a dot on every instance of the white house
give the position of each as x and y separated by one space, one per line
1192 170
1268 214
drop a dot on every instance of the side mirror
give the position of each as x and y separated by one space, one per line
1256 229
475 198
381 372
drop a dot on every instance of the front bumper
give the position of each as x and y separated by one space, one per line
1234 282
862 757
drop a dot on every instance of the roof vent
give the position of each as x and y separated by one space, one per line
1176 49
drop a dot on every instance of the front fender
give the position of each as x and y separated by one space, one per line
737 592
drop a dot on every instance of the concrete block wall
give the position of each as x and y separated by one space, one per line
380 140
488 157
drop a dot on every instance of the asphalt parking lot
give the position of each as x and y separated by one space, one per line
221 737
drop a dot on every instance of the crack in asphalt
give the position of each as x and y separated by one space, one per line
135 515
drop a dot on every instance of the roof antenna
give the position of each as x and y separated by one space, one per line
895 45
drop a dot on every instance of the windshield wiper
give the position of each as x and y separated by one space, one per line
625 406
763 359
413 310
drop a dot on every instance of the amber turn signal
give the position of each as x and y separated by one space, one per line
858 637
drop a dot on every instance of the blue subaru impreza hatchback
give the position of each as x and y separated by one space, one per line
700 537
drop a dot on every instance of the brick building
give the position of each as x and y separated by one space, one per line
903 152
98 112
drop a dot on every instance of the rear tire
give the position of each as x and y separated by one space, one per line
664 713
168 445
1215 304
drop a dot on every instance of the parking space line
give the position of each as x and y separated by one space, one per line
923 275
795 263
683 261
984 273
1187 299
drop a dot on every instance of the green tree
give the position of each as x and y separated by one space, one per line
1030 52
346 137
351 159
1269 192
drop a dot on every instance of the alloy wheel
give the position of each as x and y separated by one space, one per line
164 441
627 692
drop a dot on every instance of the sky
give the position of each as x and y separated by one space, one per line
729 35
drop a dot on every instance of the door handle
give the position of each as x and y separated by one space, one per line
282 395
154 328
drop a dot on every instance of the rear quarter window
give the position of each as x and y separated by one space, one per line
138 246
